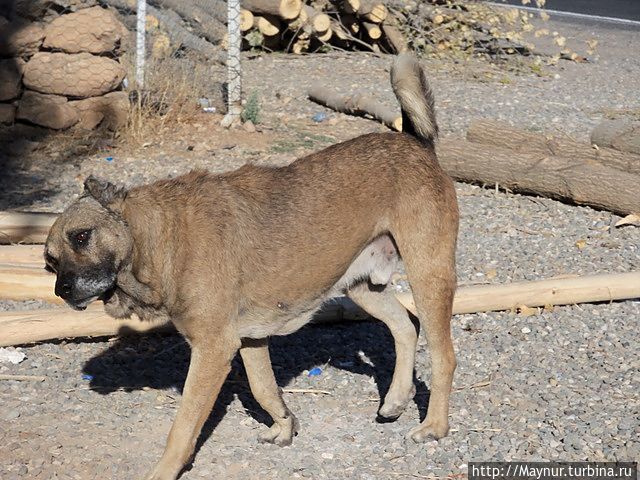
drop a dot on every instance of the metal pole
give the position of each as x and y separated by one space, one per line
141 27
234 86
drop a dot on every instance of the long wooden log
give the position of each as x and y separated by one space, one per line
38 325
22 255
287 9
553 291
580 182
18 328
22 327
27 283
623 135
20 227
358 104
520 141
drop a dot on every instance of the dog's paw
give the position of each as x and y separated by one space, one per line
395 405
281 433
428 431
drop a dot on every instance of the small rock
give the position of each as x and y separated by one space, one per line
249 127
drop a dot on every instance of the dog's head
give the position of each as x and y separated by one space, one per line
89 244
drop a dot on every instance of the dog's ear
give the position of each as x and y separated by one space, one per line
106 193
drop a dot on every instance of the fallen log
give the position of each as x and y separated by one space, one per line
489 132
358 104
22 227
622 135
22 255
18 328
287 9
553 291
20 282
579 182
22 327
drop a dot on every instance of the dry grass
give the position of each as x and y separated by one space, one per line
173 87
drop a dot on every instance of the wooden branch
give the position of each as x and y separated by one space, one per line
358 104
22 255
520 141
622 135
18 227
580 182
287 9
17 328
553 291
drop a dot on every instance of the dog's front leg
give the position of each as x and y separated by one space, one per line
210 364
257 363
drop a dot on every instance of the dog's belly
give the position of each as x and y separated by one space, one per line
376 264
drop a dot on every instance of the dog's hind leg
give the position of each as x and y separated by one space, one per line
257 363
381 303
425 232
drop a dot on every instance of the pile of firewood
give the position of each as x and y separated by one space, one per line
298 27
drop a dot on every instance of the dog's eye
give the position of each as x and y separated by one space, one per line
80 239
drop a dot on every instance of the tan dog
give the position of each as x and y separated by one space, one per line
235 258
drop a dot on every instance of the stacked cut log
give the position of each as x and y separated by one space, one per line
62 70
298 27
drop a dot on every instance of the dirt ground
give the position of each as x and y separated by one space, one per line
559 385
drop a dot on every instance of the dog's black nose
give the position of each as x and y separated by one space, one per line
63 289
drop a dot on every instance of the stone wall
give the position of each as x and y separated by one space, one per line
61 64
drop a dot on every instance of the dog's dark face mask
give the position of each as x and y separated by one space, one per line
88 245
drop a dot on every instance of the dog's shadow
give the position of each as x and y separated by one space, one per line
161 362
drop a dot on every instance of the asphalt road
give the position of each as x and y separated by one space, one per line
623 9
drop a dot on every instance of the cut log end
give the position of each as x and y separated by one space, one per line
246 20
290 9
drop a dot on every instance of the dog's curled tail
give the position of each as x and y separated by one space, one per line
412 89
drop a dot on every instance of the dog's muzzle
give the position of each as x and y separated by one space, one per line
78 291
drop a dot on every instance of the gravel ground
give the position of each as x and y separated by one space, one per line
559 385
